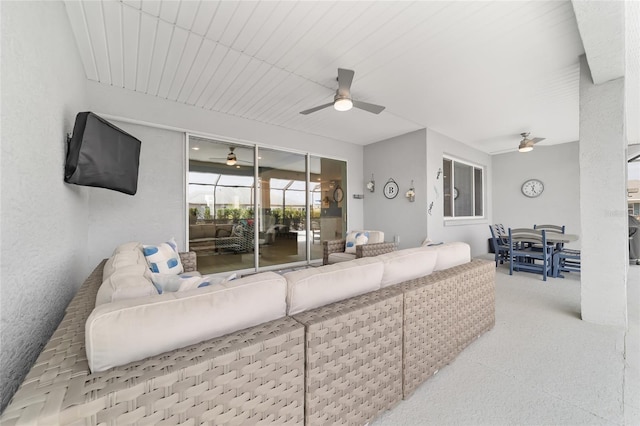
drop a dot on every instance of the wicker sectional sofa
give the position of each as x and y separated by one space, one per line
343 362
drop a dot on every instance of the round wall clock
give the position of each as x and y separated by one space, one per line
455 193
391 189
532 188
338 194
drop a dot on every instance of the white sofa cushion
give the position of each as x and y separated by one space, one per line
407 264
121 259
313 287
130 246
341 257
130 330
450 254
126 282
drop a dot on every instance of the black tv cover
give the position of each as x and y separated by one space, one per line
100 154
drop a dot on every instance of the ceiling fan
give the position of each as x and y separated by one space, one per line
526 144
231 159
342 100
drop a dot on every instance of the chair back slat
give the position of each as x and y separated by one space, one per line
518 235
553 228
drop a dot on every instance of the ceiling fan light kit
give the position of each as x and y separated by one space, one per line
231 158
342 100
342 104
526 144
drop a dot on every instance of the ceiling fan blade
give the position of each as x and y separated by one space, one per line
314 109
345 78
536 140
376 109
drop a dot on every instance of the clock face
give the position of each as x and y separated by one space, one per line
532 188
455 193
391 189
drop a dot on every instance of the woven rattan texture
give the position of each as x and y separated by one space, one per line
443 313
369 250
254 376
189 261
476 300
430 326
353 358
333 246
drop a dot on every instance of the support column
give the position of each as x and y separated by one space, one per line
603 207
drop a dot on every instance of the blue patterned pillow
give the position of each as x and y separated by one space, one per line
163 258
355 238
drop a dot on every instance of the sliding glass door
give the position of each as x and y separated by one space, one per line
283 212
221 205
253 208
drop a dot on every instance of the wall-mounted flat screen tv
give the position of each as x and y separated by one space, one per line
100 154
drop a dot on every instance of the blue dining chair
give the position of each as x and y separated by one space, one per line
524 257
500 241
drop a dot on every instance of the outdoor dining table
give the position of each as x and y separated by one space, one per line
558 238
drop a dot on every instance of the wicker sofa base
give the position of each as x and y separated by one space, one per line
444 312
253 376
353 366
343 363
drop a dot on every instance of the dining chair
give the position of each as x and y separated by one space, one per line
566 260
523 257
500 241
553 228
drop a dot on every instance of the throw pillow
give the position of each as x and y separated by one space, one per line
205 281
169 282
163 258
354 239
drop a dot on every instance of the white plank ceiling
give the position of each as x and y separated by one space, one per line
480 72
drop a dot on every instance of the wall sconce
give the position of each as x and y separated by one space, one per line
411 193
371 185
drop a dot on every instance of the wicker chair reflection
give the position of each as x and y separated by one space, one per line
334 250
523 256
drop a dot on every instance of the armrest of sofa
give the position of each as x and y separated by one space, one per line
368 250
332 246
189 261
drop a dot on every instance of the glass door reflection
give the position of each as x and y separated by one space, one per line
221 209
328 201
282 207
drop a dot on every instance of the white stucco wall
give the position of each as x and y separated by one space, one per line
148 109
558 168
474 232
157 212
403 159
43 220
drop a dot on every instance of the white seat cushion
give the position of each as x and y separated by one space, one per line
126 282
341 257
130 246
450 254
407 264
121 259
313 287
130 330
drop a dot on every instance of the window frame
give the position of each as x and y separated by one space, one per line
473 166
